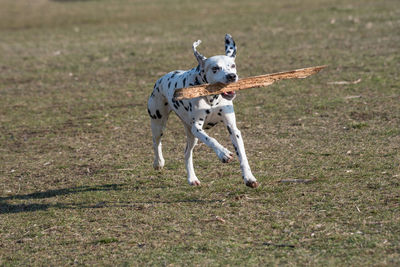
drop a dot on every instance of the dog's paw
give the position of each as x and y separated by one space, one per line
158 165
195 183
252 184
225 155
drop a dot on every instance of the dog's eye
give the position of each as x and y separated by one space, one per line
233 66
215 69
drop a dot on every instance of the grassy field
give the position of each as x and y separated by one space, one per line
76 178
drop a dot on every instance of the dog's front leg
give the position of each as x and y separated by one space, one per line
229 119
197 129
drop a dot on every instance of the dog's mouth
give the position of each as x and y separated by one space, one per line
229 95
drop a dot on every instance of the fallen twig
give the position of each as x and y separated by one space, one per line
352 96
215 219
279 245
296 180
345 82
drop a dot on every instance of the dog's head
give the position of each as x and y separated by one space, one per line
219 68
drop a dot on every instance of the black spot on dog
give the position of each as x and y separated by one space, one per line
173 74
201 119
176 84
237 136
196 81
169 85
152 116
229 130
208 111
206 138
220 110
219 114
158 114
236 150
166 103
184 82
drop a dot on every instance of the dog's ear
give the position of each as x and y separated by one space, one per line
200 58
230 46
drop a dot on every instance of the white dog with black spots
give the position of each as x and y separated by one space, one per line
201 113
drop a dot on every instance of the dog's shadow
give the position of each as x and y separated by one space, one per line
16 208
8 208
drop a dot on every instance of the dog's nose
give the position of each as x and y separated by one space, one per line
231 77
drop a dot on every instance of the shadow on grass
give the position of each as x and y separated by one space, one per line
11 208
65 191
6 208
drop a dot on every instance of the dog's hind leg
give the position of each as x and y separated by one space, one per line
190 144
157 131
159 111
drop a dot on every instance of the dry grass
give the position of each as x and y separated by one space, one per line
75 153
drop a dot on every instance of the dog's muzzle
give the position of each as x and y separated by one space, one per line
231 77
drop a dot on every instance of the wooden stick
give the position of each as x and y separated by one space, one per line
246 83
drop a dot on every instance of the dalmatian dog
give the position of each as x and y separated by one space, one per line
201 113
